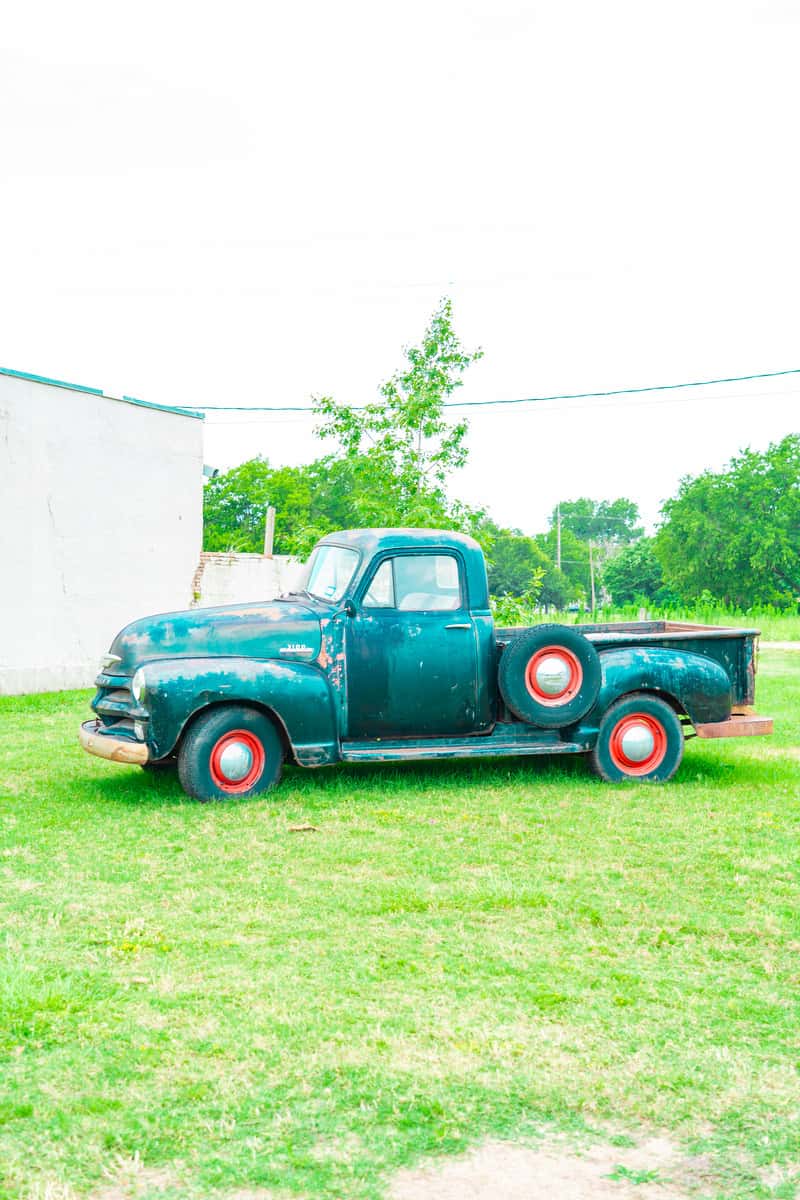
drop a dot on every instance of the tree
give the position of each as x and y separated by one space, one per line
405 435
234 507
574 568
634 574
736 533
392 462
310 501
515 563
608 522
557 591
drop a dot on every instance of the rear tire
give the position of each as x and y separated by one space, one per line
640 739
230 753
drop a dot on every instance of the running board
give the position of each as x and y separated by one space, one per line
503 741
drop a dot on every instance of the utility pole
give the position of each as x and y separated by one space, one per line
558 535
591 574
269 532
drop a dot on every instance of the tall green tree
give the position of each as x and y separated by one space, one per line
736 533
390 467
405 435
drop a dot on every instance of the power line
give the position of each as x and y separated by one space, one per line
271 420
658 387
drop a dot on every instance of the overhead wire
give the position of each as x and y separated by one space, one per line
630 391
265 417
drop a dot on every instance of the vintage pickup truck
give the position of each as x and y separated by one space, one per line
388 653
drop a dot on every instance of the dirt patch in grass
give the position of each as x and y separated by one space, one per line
132 1180
251 1194
654 1170
777 752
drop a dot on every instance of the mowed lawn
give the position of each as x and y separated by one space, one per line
459 951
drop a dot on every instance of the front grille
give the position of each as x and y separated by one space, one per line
115 706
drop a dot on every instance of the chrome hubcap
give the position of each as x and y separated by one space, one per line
638 743
553 675
235 761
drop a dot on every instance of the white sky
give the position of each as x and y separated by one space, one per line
253 203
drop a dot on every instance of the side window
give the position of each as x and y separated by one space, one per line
426 582
380 593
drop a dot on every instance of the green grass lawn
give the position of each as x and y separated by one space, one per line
461 950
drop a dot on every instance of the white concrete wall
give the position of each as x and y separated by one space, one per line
240 578
100 523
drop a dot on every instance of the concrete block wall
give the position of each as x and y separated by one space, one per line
100 523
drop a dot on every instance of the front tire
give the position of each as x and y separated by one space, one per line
640 739
230 753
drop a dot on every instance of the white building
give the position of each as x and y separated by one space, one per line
101 517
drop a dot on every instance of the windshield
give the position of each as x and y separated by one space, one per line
329 571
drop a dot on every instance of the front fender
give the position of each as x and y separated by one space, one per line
298 693
699 684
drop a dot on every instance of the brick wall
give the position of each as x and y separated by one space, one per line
240 578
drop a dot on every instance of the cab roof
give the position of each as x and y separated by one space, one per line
372 540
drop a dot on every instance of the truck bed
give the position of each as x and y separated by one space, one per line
733 649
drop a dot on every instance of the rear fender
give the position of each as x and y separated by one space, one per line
297 693
696 685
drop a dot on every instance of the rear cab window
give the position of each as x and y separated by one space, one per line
416 583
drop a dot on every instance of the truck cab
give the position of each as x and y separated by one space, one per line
388 651
419 637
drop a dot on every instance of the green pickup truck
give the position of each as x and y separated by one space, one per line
389 653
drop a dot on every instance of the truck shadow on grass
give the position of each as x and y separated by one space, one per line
372 781
567 772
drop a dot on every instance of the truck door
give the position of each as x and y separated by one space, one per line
412 659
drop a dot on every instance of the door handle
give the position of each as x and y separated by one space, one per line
465 626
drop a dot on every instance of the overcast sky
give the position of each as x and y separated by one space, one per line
253 203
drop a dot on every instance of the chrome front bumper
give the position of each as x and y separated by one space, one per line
94 741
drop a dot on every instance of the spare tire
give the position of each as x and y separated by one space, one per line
549 676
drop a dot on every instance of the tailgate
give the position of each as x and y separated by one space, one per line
733 649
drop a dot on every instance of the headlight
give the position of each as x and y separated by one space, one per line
138 686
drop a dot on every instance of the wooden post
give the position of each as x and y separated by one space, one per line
269 531
558 535
591 573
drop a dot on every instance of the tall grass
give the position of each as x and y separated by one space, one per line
776 625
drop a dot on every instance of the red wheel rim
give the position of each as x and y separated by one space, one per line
638 722
569 663
244 740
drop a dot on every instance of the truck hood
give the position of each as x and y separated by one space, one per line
281 629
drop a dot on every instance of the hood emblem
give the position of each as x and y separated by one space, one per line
296 648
